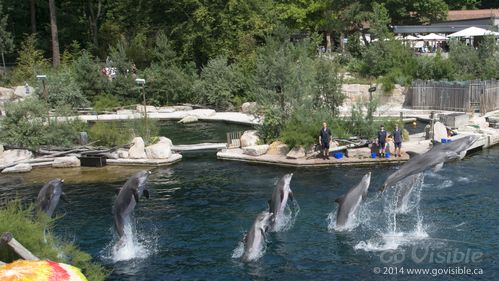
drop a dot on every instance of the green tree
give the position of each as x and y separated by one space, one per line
30 62
6 41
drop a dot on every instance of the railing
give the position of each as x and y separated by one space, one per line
482 96
234 139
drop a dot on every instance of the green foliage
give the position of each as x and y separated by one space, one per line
219 84
382 56
25 125
118 133
37 236
327 90
87 75
6 40
30 62
106 102
63 89
167 84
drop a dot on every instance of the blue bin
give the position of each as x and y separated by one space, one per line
387 154
338 155
449 140
443 140
373 155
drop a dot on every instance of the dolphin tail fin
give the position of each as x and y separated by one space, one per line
146 193
136 195
340 199
64 197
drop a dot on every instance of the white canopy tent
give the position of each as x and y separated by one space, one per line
433 37
412 38
472 32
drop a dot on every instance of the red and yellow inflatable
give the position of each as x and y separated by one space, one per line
23 270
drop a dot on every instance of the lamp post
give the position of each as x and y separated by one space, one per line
142 83
45 93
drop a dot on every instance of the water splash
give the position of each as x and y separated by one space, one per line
135 244
238 252
287 219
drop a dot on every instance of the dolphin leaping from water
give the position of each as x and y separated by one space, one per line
254 241
280 196
350 202
434 158
49 196
128 196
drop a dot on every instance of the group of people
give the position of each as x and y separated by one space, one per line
325 137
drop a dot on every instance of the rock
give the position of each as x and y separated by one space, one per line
278 148
1 150
481 122
182 107
6 93
20 91
137 150
160 150
203 113
124 112
188 119
14 155
122 153
249 138
166 109
440 131
249 107
66 162
19 168
149 108
296 153
256 150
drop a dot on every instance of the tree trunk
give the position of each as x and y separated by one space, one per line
33 16
56 55
93 18
328 41
342 41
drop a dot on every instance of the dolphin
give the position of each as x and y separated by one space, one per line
254 241
349 202
128 196
435 157
405 190
280 196
49 196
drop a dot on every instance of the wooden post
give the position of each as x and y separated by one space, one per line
17 247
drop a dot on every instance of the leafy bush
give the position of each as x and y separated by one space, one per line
87 76
118 133
62 89
30 62
169 84
36 235
106 102
25 125
382 56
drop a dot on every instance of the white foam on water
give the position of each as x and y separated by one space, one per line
445 184
463 179
133 245
238 252
287 219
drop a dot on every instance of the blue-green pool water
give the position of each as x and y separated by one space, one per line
200 208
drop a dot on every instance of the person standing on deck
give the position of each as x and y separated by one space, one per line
397 140
381 140
324 139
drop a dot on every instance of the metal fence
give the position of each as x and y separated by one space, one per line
234 139
482 96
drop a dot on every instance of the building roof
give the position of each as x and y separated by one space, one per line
471 14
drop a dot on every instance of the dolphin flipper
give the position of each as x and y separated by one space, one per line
462 154
136 195
340 199
145 193
438 167
412 154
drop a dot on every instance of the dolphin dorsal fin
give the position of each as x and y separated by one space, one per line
340 199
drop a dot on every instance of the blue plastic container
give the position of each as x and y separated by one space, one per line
387 154
443 140
449 140
373 155
338 155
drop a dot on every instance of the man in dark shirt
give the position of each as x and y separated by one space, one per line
324 139
397 140
381 140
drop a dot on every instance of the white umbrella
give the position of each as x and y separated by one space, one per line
433 36
412 38
473 31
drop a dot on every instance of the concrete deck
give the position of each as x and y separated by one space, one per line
199 146
145 162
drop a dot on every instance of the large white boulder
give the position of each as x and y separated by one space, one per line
19 168
166 109
122 153
249 107
188 119
6 93
66 162
1 150
137 151
249 138
124 112
20 91
182 107
296 153
278 148
440 131
149 108
15 155
256 150
203 113
160 150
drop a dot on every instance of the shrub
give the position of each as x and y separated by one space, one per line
87 76
30 62
106 102
36 235
62 89
169 84
119 133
